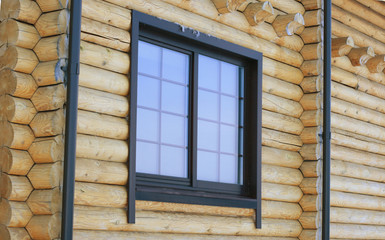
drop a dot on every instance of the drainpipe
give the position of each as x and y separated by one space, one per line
71 120
326 121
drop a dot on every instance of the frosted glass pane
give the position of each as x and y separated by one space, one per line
229 78
208 135
147 157
149 59
228 169
208 73
148 92
147 125
208 105
229 139
207 166
173 161
173 129
229 110
175 66
174 98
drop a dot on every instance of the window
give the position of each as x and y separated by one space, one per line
195 118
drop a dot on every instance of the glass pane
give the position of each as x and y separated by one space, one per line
229 139
174 98
147 125
208 166
147 157
175 66
208 135
208 75
229 110
149 59
208 105
173 129
228 170
148 92
229 78
173 161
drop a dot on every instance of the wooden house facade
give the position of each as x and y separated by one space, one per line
34 64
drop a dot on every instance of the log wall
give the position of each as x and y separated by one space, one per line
357 120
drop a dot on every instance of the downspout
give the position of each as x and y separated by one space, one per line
326 121
71 120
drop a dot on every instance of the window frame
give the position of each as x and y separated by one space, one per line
191 191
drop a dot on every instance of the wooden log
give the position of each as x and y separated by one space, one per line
311 4
102 125
281 140
356 201
311 35
354 170
226 6
356 156
115 219
312 84
359 24
256 13
359 56
349 231
360 39
45 202
342 46
277 70
14 214
288 6
281 122
101 148
311 101
6 212
104 80
346 184
376 64
52 5
18 34
371 87
47 124
311 151
44 226
15 188
293 42
17 84
311 118
311 203
19 59
310 220
45 176
52 48
96 171
49 73
311 186
344 77
103 102
281 175
15 162
16 110
104 58
47 150
23 10
313 18
15 135
281 88
287 25
280 157
53 23
13 233
312 67
49 98
105 35
282 193
312 51
311 168
281 105
310 234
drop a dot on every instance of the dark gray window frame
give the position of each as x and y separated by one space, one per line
168 189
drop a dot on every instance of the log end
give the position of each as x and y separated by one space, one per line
256 13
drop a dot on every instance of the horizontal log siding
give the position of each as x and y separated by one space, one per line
101 172
358 124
